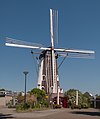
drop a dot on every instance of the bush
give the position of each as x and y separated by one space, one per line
56 106
22 107
85 105
44 103
38 105
11 106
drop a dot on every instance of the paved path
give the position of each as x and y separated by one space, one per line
6 113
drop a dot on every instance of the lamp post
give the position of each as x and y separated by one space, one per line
25 72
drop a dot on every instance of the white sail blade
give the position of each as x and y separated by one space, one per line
75 51
77 55
52 31
52 45
22 44
53 26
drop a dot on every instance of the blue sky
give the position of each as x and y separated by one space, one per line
28 20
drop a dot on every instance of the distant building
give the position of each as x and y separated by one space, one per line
95 103
7 97
98 102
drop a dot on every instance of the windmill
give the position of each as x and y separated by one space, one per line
48 78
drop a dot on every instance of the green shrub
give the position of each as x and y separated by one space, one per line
85 105
56 106
22 107
38 105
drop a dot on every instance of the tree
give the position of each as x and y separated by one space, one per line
72 96
83 99
41 97
97 96
40 94
86 99
2 89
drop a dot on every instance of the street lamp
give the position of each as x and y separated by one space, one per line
25 72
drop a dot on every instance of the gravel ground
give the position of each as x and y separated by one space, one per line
6 113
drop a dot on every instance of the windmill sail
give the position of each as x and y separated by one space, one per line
54 26
23 44
52 31
77 55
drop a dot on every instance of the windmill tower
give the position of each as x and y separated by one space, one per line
48 78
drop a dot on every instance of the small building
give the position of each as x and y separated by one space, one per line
98 102
7 97
95 103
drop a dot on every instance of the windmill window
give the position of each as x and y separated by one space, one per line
38 84
43 78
